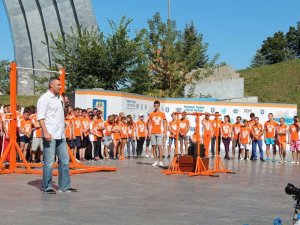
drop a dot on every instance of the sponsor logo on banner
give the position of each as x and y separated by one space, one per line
223 111
100 104
167 109
236 111
212 110
178 109
247 111
262 111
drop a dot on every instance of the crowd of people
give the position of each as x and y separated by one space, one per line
118 137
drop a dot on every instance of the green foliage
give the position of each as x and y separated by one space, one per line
158 61
4 77
278 48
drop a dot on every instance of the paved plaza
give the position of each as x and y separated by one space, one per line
140 194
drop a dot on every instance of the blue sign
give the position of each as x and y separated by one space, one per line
100 104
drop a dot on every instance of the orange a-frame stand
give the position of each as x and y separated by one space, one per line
13 147
200 169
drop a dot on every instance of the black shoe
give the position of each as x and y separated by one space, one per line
163 157
262 160
169 156
212 157
50 191
254 159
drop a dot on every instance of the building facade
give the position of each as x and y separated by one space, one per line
31 21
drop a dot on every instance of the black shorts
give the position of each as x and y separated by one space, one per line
77 141
70 143
24 139
171 140
85 141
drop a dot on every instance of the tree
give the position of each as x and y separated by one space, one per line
4 77
274 48
173 57
293 41
258 60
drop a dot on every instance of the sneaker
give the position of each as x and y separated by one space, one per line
160 164
280 161
293 162
163 156
284 161
213 156
262 160
50 191
298 162
154 164
273 160
147 156
151 157
241 159
267 159
169 156
68 190
247 159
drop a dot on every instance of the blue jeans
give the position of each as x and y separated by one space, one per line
259 143
56 147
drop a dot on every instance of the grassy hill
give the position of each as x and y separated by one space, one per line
278 83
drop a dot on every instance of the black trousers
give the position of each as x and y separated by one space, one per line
140 145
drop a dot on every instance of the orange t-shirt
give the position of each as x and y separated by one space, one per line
93 127
117 131
157 119
281 132
226 129
99 127
85 125
236 130
68 125
108 128
124 130
131 130
207 127
77 126
294 130
173 128
270 127
38 133
26 125
183 125
257 130
141 127
244 136
216 125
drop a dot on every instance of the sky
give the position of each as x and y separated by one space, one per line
234 28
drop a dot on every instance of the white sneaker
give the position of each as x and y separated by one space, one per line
285 161
147 156
161 164
151 157
154 164
298 162
293 162
280 161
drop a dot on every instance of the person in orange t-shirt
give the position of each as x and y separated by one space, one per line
131 137
173 125
269 131
141 134
281 134
100 128
216 125
85 130
257 133
251 122
77 134
93 136
157 120
124 137
107 139
226 130
244 140
235 136
184 127
294 140
207 132
37 141
25 131
116 132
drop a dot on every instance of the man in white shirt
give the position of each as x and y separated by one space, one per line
50 115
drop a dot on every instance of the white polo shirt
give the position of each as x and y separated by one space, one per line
51 109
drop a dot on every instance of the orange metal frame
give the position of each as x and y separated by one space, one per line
13 147
200 169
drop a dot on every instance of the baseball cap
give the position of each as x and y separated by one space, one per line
141 114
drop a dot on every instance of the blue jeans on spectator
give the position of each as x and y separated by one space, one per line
259 143
51 148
